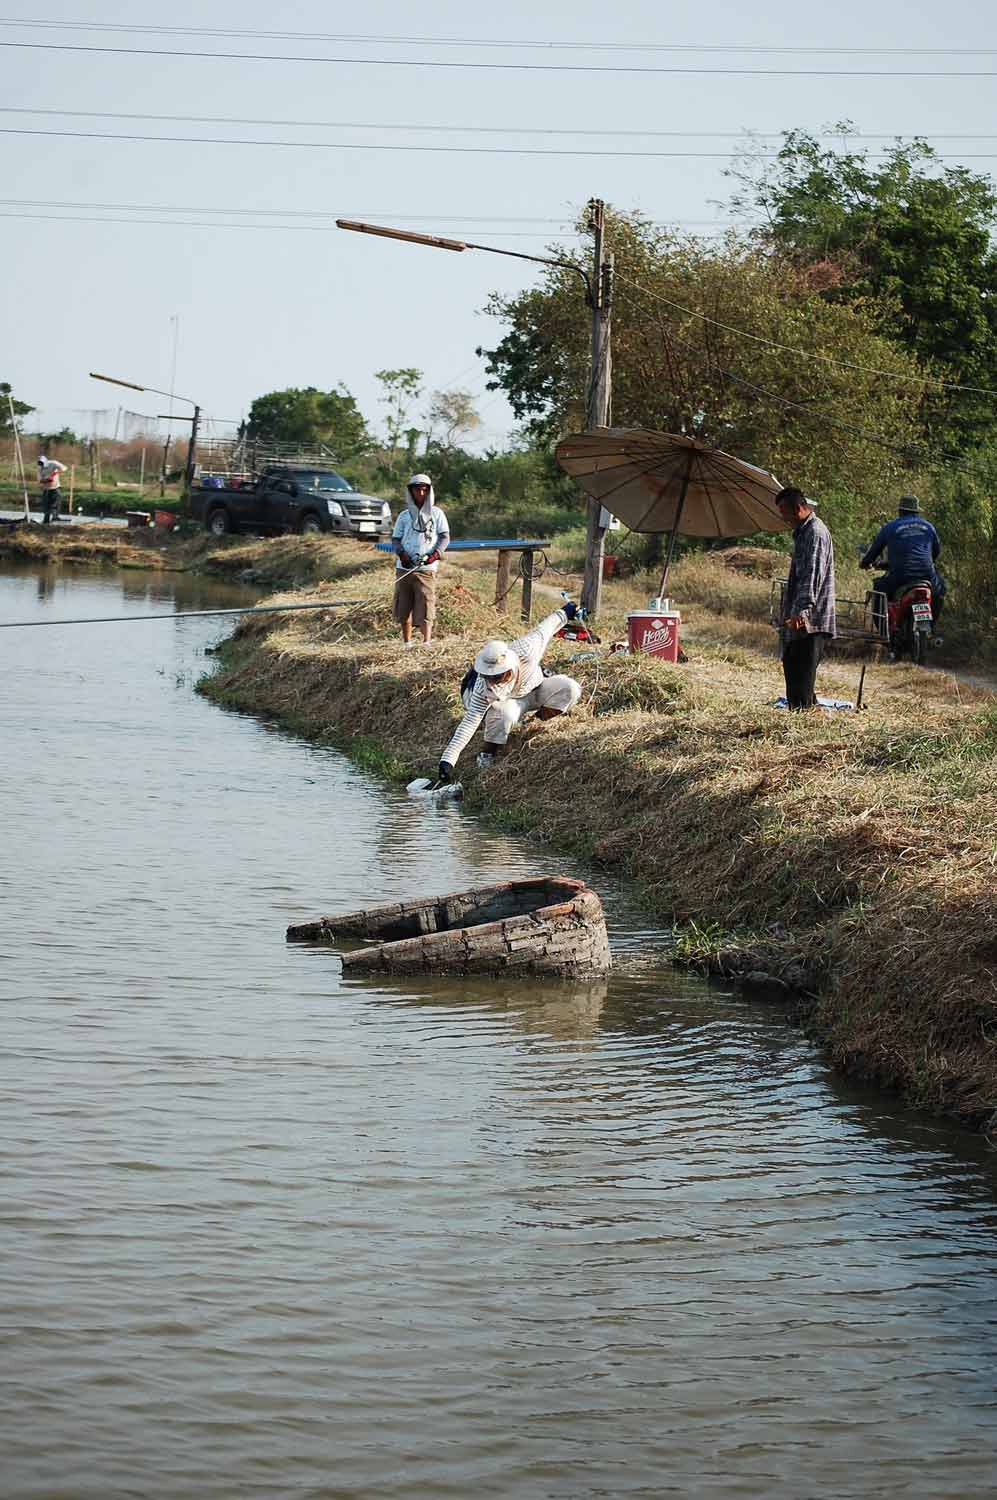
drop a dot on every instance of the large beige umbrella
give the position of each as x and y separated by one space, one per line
661 481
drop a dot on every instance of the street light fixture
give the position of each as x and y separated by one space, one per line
598 296
437 242
194 419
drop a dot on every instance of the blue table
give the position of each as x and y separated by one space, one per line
505 547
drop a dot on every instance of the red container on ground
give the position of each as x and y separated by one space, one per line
655 631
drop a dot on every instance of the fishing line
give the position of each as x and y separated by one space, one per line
183 614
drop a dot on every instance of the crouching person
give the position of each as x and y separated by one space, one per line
506 683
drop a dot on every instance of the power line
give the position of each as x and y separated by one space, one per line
787 402
26 208
305 213
334 213
909 454
202 224
500 42
844 364
747 137
505 67
215 140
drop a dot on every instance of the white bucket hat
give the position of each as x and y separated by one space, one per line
494 659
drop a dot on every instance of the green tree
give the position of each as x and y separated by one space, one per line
905 231
813 422
311 416
63 437
21 408
400 390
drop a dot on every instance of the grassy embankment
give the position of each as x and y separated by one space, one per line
850 858
847 857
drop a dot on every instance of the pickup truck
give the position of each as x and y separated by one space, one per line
291 499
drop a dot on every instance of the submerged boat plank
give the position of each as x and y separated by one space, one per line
548 925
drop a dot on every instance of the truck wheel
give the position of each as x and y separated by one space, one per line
310 525
219 521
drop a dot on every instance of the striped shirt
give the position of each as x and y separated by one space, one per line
810 586
486 692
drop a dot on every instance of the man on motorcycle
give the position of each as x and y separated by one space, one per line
912 545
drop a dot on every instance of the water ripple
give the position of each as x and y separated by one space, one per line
266 1230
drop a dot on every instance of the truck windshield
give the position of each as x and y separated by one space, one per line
323 479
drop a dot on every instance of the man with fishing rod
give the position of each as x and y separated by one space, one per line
420 537
49 470
808 622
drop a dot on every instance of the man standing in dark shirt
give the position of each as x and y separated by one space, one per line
912 548
808 622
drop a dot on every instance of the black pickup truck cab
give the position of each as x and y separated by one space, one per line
293 499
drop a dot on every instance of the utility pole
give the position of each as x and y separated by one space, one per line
188 480
599 296
599 404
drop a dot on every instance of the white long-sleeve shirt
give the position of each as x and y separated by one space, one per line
420 531
486 692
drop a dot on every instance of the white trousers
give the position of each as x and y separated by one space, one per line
561 693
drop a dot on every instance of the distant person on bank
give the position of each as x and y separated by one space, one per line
420 537
912 546
808 622
49 470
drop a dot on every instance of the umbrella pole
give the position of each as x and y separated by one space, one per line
675 530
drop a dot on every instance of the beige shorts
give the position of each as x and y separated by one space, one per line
415 596
561 693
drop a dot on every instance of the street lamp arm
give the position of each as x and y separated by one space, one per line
541 260
131 386
436 242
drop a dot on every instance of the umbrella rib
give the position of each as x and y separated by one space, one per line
649 469
704 480
734 479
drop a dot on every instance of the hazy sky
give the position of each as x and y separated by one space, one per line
294 301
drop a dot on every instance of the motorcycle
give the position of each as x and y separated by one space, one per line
910 622
909 626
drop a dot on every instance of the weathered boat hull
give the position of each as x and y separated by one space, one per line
552 926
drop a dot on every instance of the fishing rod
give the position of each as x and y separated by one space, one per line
190 614
184 614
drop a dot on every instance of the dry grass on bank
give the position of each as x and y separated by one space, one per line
94 545
859 847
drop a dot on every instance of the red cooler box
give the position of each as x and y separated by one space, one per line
655 631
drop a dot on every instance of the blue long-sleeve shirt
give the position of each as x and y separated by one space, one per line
911 545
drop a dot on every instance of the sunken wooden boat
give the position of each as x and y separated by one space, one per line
550 925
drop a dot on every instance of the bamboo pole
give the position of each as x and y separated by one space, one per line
19 456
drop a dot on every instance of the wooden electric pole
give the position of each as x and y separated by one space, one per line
188 478
599 403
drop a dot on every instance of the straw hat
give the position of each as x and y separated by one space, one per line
494 659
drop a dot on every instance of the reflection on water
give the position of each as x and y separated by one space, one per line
266 1231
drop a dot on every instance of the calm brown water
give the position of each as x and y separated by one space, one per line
266 1232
